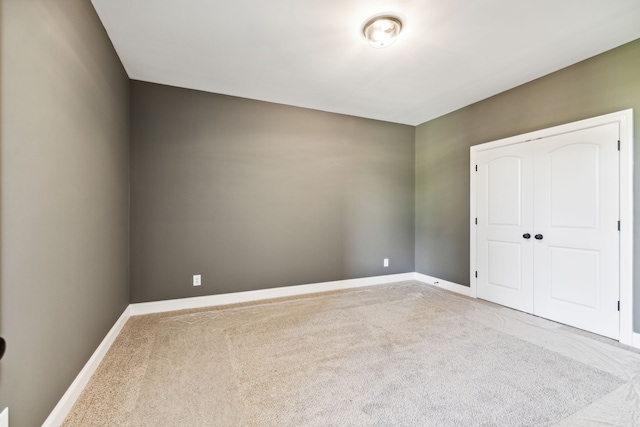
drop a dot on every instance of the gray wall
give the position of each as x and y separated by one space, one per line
255 195
603 84
65 172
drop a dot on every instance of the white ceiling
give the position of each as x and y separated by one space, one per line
311 53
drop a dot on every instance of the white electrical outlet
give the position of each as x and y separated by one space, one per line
4 418
385 263
197 279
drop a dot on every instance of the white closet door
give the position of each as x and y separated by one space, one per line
505 214
576 205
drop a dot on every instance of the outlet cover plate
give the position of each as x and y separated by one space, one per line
197 281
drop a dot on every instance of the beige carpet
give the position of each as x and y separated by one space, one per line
403 354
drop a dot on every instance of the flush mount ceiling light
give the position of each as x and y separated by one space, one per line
382 31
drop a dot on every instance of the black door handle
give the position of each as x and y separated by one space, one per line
526 235
3 347
538 236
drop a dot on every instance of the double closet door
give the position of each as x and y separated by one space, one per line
547 228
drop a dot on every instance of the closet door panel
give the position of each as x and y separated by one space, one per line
504 206
576 212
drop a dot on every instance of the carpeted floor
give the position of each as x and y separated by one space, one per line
403 354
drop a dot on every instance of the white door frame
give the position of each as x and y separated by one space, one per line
625 121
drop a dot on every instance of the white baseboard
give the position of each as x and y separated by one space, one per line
248 296
444 284
64 406
287 291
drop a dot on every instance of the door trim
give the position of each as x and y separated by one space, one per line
625 121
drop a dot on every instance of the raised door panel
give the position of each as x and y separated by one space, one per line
573 184
504 191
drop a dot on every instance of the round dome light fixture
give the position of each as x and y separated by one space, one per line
382 31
